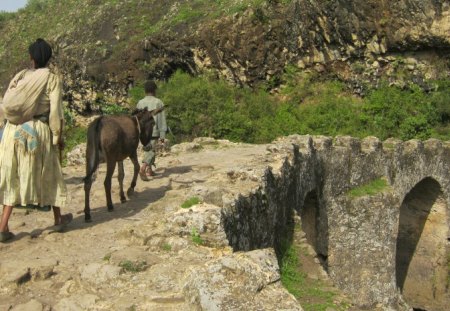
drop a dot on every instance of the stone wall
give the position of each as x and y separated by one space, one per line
359 238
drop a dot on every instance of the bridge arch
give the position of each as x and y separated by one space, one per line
422 250
315 225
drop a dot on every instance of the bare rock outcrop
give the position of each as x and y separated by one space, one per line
241 281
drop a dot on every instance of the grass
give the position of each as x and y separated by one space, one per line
374 187
310 293
195 237
166 247
130 266
107 257
190 202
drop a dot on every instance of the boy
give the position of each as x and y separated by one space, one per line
159 130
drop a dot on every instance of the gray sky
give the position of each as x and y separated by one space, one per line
12 5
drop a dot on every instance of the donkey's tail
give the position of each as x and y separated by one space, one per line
93 148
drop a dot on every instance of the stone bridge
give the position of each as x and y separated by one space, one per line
384 248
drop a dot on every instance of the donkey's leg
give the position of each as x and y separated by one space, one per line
121 176
135 161
110 167
87 190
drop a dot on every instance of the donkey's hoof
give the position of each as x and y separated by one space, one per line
110 208
130 192
123 200
87 218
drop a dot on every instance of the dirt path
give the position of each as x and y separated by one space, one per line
139 256
92 266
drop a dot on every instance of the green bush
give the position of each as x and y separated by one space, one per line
135 94
111 109
306 104
392 112
202 106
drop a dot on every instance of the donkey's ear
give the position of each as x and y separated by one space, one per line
154 112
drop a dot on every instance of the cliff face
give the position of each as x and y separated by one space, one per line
104 47
354 39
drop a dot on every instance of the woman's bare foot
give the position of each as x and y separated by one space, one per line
63 221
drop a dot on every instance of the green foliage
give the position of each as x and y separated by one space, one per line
312 294
111 109
75 136
195 237
203 106
166 247
392 112
186 13
107 257
6 16
306 104
135 94
131 266
190 202
374 187
69 118
37 5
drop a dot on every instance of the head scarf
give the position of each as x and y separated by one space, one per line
41 52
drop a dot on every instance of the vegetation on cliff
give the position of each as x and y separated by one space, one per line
362 92
307 104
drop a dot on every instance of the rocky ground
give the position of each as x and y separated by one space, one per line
149 254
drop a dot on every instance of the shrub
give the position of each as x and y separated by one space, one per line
392 112
306 104
135 94
195 237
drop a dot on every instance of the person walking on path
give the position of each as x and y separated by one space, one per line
30 168
159 130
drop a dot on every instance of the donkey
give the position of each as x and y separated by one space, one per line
112 139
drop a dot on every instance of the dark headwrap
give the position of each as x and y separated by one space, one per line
41 52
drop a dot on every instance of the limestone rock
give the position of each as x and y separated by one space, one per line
98 273
77 156
32 305
241 281
210 195
204 219
19 273
76 303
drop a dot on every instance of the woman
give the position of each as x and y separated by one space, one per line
30 170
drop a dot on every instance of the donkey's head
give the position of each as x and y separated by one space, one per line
146 123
